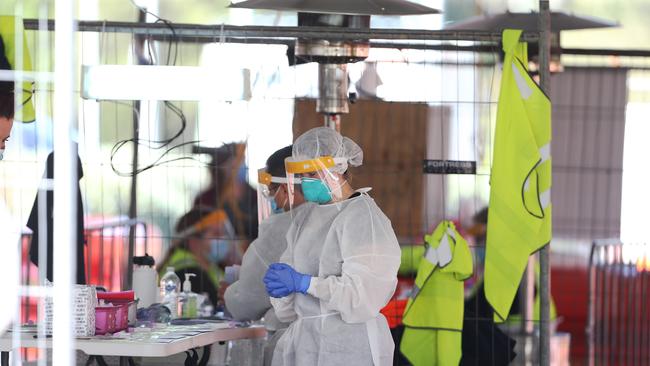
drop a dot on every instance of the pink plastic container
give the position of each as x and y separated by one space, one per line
121 316
105 319
122 302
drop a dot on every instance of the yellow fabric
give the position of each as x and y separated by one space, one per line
264 178
183 259
411 256
433 317
423 345
10 26
518 224
308 166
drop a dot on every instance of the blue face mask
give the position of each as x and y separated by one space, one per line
315 190
219 249
242 173
480 251
274 207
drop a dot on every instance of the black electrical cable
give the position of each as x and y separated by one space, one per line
174 42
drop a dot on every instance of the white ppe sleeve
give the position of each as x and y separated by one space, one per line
283 307
371 259
246 299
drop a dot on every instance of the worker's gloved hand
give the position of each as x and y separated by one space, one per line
282 280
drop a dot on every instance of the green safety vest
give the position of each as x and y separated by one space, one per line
433 318
410 261
516 318
412 254
10 26
519 219
184 259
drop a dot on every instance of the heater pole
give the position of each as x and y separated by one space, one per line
333 121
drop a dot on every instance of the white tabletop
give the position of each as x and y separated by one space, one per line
159 343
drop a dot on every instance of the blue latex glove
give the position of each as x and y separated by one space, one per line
282 280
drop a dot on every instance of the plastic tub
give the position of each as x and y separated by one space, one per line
123 299
121 317
105 319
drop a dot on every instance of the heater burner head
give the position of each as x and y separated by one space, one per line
528 22
350 7
332 51
333 54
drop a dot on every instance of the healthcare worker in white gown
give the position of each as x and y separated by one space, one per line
340 266
246 299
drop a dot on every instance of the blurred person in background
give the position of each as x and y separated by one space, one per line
35 225
229 189
475 300
246 299
205 244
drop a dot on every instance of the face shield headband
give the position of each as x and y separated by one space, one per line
317 182
266 204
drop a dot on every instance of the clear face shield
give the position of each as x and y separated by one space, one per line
315 180
267 192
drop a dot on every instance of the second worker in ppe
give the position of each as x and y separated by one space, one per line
246 299
340 266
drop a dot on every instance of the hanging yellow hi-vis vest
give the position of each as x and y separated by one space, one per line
433 318
11 32
519 218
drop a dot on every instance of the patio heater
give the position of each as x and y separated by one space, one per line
333 55
528 22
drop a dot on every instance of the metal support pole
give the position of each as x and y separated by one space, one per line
523 304
591 306
196 32
544 257
526 300
43 46
133 204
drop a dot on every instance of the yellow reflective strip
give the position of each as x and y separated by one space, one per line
264 178
216 217
307 166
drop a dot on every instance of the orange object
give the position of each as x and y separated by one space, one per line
394 311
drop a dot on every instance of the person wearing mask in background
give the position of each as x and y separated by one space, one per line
475 301
204 246
340 266
229 189
246 299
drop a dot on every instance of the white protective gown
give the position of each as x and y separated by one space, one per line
246 299
352 253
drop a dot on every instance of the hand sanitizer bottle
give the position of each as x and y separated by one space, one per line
187 300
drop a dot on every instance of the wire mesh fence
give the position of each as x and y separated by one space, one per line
618 315
419 101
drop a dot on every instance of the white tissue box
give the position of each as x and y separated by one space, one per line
83 305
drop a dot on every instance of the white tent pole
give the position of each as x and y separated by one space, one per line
64 177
